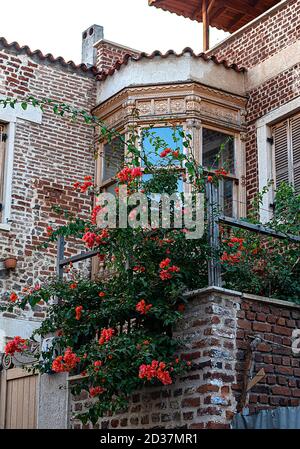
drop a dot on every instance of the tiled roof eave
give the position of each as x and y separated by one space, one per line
37 54
104 74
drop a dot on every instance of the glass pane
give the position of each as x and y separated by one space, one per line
155 140
218 150
226 197
113 158
111 188
148 177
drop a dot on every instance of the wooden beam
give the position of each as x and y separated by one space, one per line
205 21
210 7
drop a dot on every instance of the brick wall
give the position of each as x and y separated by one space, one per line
250 47
274 323
264 38
216 329
109 53
48 158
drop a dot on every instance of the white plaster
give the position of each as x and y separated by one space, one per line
12 327
265 152
169 70
273 66
31 114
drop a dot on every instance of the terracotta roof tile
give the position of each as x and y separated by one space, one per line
48 57
103 75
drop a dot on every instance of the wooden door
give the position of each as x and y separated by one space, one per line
18 397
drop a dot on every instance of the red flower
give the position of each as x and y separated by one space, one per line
106 335
65 363
76 185
13 297
165 275
165 263
165 152
97 365
101 294
73 286
89 239
142 307
210 179
174 269
221 172
181 308
136 172
139 269
78 312
18 344
175 154
49 231
155 370
232 259
96 391
94 214
124 175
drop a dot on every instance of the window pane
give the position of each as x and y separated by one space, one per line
149 177
227 199
218 150
155 140
113 158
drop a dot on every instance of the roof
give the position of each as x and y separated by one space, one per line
14 46
229 15
102 76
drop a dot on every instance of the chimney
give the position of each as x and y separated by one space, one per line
89 37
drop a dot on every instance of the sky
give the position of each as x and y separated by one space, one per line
56 26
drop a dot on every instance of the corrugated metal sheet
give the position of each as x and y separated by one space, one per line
279 418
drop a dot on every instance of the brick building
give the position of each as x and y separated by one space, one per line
245 88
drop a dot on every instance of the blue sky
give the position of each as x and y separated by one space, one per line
55 26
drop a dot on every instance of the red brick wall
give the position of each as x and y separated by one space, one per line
108 53
48 158
281 386
264 38
250 47
270 95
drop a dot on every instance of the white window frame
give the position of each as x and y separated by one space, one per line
9 117
266 166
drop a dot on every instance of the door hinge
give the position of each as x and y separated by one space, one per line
3 137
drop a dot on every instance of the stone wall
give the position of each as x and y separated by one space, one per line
217 328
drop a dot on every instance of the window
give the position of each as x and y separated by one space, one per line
112 163
218 151
286 152
2 164
154 141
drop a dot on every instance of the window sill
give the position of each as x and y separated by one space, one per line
4 227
